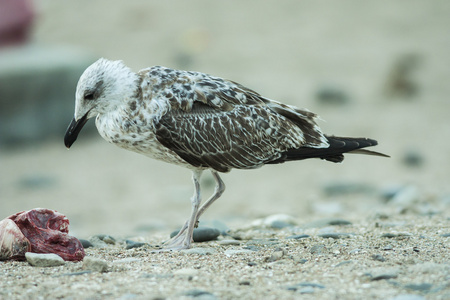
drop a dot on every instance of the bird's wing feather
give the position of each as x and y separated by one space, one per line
214 123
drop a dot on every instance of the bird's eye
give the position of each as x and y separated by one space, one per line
89 96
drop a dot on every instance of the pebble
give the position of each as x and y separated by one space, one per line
222 227
408 297
298 236
275 221
383 273
102 240
342 263
86 243
302 285
199 294
202 234
378 257
199 251
44 259
326 222
229 242
413 158
37 181
339 189
126 260
332 94
186 272
422 287
95 264
280 225
106 238
404 196
276 255
396 235
388 247
132 244
231 252
334 235
317 249
263 242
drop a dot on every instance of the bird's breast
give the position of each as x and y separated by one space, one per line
132 134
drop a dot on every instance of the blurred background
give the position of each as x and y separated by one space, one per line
368 68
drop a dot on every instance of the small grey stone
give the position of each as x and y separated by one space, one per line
263 242
382 274
106 238
303 285
422 287
86 243
298 236
231 252
280 224
327 222
345 262
95 264
306 290
189 272
388 247
354 251
330 94
102 240
339 189
277 221
129 296
251 248
408 297
202 234
396 235
317 249
222 227
76 273
198 294
244 282
132 244
412 158
229 242
334 235
378 257
37 181
199 251
126 260
276 255
44 259
445 234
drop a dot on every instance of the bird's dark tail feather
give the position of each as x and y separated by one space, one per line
335 152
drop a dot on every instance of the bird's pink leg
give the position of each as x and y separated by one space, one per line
184 238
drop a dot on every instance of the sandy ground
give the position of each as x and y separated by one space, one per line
288 52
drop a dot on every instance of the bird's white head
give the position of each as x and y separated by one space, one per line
104 86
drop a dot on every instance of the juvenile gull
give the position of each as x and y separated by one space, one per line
200 122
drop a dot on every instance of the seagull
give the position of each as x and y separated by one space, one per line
200 122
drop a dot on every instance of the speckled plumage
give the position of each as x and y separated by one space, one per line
200 122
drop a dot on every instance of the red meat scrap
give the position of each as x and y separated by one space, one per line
47 232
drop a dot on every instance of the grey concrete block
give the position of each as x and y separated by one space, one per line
37 91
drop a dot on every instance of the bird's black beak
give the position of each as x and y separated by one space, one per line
73 130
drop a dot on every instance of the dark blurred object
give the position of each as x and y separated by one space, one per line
16 18
400 82
37 88
331 94
413 158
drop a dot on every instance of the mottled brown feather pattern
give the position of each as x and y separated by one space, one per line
219 124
